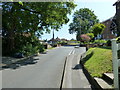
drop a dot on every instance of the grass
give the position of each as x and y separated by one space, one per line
98 61
51 48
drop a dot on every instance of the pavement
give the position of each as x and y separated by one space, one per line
74 76
47 72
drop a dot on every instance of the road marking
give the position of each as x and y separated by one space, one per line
70 52
73 51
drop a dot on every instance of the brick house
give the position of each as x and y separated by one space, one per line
117 16
107 33
112 24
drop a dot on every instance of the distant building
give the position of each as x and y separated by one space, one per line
117 16
63 39
108 33
54 40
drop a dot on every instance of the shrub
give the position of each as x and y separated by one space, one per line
109 43
28 50
41 48
118 39
100 41
64 43
91 35
85 37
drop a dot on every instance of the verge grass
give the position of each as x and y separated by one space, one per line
98 61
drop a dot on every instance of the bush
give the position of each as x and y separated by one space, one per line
100 41
41 48
64 43
91 35
118 39
109 43
28 50
85 38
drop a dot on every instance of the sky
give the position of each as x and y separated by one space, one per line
103 9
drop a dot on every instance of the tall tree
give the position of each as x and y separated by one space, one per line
83 20
33 18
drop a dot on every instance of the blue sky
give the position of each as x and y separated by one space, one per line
103 9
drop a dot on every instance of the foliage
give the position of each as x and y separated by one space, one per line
28 50
63 43
98 28
83 20
85 37
100 41
29 46
24 21
96 62
109 43
118 39
91 35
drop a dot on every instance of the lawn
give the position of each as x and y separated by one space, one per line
98 61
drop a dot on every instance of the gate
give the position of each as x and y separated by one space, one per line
116 63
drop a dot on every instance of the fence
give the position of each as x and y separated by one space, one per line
116 63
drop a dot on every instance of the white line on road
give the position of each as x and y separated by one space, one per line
73 52
70 52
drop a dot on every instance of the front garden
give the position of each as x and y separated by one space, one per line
98 59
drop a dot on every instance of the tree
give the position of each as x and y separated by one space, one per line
98 28
33 18
83 20
91 35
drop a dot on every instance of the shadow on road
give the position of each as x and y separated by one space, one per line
77 67
18 64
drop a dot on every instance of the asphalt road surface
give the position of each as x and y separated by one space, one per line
46 73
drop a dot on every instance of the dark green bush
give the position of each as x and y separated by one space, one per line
41 48
64 43
109 43
28 49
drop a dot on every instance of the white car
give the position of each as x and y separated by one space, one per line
76 46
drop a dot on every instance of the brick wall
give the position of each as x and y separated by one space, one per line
107 34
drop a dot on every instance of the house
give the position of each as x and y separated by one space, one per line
51 41
63 39
108 33
117 16
112 24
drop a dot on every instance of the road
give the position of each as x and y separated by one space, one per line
46 73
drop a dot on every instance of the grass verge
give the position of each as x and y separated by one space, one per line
98 61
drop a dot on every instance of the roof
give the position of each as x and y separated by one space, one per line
107 20
116 2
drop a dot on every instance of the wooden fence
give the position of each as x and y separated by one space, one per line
116 63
